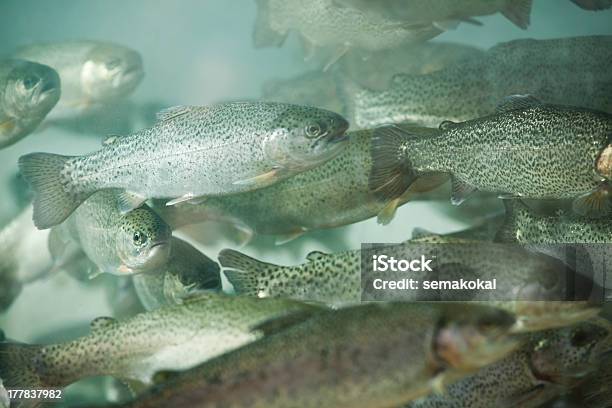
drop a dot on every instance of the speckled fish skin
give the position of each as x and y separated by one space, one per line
190 152
120 244
318 88
93 73
571 71
169 338
539 151
28 91
546 366
366 356
24 256
188 270
333 194
325 23
525 226
336 278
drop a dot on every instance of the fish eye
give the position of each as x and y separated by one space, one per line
139 238
581 338
112 64
30 82
313 130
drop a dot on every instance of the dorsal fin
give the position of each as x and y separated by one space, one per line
173 112
514 102
315 255
447 124
102 322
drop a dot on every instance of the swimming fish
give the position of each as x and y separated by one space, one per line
24 256
174 337
547 365
189 153
527 149
187 271
28 91
317 88
529 284
333 194
445 14
115 243
374 355
323 23
568 71
93 73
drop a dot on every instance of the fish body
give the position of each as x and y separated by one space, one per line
365 356
527 149
24 256
189 153
333 194
93 73
170 338
28 92
546 366
115 243
572 71
524 280
445 13
187 271
326 23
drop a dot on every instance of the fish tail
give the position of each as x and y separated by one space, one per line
392 171
518 12
18 366
53 200
242 271
264 35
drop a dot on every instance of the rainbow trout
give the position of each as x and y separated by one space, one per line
527 149
173 337
375 355
28 92
92 73
547 365
571 71
190 152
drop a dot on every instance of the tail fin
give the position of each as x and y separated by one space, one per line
53 202
243 271
519 12
264 35
18 366
391 172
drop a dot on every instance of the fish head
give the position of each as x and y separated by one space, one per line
304 137
469 337
143 241
570 353
110 72
31 90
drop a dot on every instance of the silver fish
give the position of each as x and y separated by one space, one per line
473 88
327 23
115 243
189 153
93 73
28 91
171 338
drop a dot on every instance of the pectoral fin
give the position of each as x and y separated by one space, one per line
261 180
594 204
285 238
187 198
460 191
386 215
128 201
